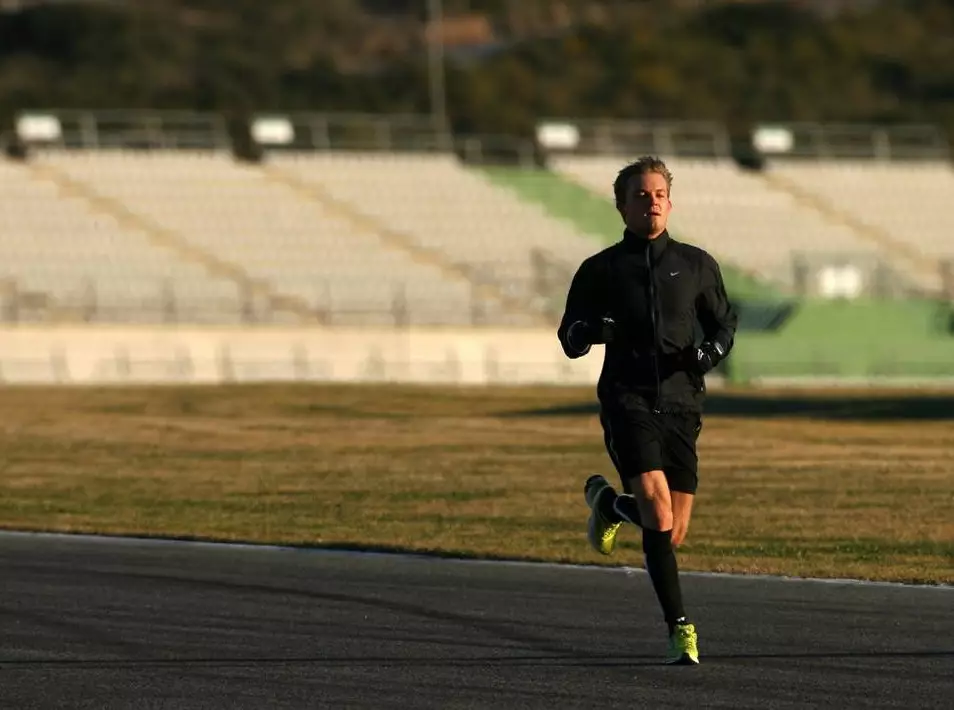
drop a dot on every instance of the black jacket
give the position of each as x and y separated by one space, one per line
658 319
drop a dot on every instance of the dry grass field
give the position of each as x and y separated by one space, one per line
847 485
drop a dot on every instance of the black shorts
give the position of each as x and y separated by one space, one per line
639 441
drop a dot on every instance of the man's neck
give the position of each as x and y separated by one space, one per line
644 235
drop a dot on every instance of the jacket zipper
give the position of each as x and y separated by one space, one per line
652 317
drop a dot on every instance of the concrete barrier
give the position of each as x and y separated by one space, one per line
176 355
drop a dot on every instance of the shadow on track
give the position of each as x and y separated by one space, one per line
443 661
500 629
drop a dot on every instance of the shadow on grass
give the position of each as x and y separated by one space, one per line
840 407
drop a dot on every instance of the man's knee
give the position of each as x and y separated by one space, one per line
655 505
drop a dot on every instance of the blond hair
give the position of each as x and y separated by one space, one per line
642 166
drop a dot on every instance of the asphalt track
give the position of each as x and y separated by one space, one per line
106 623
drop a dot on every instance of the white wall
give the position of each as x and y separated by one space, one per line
143 355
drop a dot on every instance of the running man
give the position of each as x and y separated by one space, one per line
661 310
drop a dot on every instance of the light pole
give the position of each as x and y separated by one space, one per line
435 70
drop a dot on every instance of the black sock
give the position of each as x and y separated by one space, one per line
625 508
605 503
664 573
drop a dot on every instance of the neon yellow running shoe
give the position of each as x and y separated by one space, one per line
600 532
683 646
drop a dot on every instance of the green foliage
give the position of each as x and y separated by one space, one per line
736 63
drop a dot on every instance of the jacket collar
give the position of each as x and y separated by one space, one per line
634 242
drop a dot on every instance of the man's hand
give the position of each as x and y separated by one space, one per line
603 331
708 356
582 334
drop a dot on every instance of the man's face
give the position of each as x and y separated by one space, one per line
647 206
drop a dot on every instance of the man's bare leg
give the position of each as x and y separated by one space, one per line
659 510
681 512
654 500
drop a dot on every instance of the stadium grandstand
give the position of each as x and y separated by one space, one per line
376 221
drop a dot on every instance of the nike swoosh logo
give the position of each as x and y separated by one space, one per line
674 273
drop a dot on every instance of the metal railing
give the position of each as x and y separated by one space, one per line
85 301
181 130
359 131
864 142
316 131
851 275
169 303
947 281
689 139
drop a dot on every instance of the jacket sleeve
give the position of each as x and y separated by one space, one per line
716 315
584 304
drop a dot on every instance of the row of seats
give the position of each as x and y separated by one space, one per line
51 243
419 238
748 219
908 202
233 213
444 207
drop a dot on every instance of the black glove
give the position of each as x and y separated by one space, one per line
582 334
603 331
708 355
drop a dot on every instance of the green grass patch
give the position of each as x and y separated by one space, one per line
597 216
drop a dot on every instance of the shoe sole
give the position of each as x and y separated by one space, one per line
684 660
